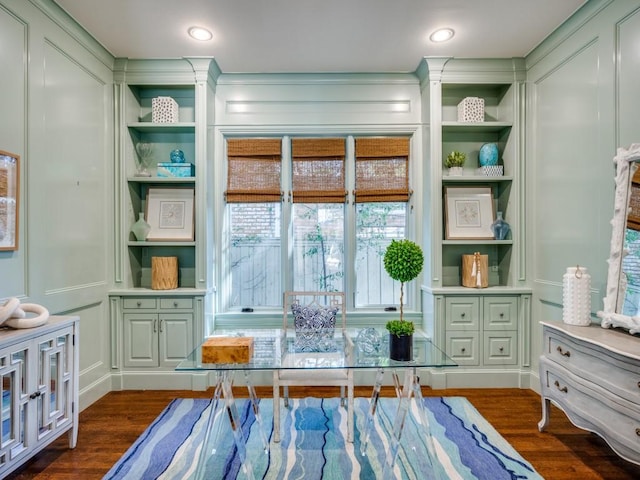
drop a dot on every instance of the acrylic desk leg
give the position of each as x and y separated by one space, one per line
256 409
211 436
424 419
373 405
236 426
404 398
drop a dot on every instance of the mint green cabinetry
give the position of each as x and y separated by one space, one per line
152 329
485 330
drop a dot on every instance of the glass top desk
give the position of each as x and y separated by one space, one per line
356 349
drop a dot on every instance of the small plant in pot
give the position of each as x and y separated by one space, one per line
403 261
455 161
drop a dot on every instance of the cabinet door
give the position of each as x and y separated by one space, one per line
55 382
141 339
462 313
176 337
15 399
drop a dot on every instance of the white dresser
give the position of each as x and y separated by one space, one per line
39 386
593 375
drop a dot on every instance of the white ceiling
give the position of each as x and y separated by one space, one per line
266 36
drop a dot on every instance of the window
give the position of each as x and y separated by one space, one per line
316 236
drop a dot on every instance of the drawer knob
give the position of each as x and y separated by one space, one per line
638 432
175 304
501 314
462 315
563 389
463 349
501 349
638 384
139 303
562 352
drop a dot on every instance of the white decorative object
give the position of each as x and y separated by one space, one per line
576 296
456 171
14 314
471 110
164 110
625 161
490 171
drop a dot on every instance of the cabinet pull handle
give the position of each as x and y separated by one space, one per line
35 394
562 352
160 326
155 326
563 389
638 384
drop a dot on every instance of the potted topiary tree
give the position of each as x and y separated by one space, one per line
403 261
454 162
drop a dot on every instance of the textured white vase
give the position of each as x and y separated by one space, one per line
576 296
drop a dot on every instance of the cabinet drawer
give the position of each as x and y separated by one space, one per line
500 348
463 348
500 313
176 303
138 303
462 313
619 375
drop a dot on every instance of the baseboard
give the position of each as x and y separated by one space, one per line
477 378
94 391
169 380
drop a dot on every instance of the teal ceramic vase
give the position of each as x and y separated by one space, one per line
500 228
488 154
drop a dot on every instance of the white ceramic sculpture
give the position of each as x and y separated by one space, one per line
14 314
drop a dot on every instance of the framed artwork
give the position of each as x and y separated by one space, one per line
170 214
468 213
9 200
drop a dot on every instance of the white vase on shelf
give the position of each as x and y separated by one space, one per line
141 228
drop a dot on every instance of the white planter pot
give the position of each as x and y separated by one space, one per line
455 171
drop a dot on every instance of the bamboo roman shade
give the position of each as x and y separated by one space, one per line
318 170
633 217
382 169
253 173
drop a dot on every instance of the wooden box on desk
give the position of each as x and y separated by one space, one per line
227 350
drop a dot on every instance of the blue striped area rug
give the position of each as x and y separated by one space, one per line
313 444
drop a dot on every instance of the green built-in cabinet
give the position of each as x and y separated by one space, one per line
153 329
485 330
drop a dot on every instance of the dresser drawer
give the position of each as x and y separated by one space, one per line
138 303
500 313
591 407
176 303
463 347
500 348
618 375
462 313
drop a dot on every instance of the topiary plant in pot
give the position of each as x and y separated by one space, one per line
403 261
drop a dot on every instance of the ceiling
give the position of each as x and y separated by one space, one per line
312 36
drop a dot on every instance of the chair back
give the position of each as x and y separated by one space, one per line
314 300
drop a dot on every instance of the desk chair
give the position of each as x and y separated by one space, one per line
313 316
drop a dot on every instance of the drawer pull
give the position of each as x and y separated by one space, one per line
501 349
563 353
462 315
501 314
175 304
139 303
563 389
638 432
463 349
638 384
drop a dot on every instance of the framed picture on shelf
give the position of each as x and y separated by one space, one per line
9 200
170 214
468 213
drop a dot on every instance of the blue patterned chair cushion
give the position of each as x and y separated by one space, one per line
314 327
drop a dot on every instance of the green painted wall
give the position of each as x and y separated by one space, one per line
583 102
57 87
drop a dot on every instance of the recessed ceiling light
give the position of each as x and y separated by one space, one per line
442 35
200 33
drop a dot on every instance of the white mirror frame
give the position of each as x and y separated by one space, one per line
626 164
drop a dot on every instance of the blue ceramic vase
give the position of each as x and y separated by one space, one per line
176 156
500 227
488 154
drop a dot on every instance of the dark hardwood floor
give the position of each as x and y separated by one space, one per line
111 425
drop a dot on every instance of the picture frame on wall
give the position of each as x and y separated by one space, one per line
9 200
170 214
469 213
